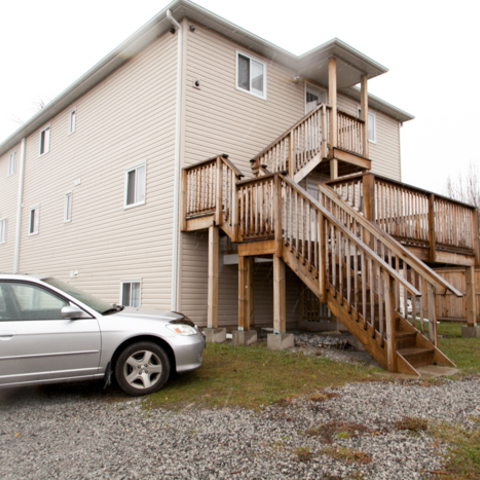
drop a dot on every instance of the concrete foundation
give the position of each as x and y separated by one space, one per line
469 332
215 335
245 338
280 341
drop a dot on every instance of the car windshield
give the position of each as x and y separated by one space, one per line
93 302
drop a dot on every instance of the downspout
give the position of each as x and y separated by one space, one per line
177 160
16 258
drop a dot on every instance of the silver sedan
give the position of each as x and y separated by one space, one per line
52 332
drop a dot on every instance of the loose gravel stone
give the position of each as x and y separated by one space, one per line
77 431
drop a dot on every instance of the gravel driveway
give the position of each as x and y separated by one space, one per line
78 431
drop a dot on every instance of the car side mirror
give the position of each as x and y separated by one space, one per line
72 312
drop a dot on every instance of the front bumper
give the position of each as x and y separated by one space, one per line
188 351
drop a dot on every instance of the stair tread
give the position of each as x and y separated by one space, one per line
412 351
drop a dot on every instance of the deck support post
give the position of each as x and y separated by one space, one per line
213 236
369 196
364 113
431 228
332 101
390 323
470 297
279 291
245 293
250 294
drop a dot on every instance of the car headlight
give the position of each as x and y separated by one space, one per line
181 329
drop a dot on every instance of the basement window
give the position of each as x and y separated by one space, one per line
45 141
130 292
251 75
135 186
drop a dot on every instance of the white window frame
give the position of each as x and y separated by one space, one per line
251 92
72 120
122 283
36 220
67 215
3 230
46 143
137 202
372 120
11 163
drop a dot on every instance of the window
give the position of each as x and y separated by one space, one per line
251 75
33 228
11 163
3 230
372 135
135 186
71 120
68 207
45 141
130 293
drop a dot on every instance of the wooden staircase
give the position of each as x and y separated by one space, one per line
365 277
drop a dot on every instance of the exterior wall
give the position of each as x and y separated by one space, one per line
385 152
8 207
126 120
219 118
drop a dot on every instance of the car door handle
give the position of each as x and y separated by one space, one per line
6 335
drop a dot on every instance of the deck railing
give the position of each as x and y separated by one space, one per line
350 133
399 258
413 216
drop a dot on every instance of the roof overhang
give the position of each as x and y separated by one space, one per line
313 65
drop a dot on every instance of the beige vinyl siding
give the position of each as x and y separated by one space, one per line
219 118
8 207
385 152
127 120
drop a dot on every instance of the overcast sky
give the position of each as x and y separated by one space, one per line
430 47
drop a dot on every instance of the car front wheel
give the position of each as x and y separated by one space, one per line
142 368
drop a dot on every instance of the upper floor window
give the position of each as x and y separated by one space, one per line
45 140
68 207
372 127
71 120
135 186
130 293
11 163
3 230
34 216
251 75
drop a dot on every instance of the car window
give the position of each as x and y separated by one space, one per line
29 302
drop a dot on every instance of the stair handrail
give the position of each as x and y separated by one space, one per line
405 255
350 235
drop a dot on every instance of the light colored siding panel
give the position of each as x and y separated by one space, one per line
126 120
8 207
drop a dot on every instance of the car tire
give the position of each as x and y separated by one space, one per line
142 368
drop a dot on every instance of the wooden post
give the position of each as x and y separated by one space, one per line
390 323
219 193
432 315
291 156
212 319
324 132
249 295
279 290
277 212
364 113
322 277
242 294
235 219
431 228
183 201
332 100
470 297
333 169
369 197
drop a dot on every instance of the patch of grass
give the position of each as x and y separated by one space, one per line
463 460
303 454
338 429
412 424
348 455
252 377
